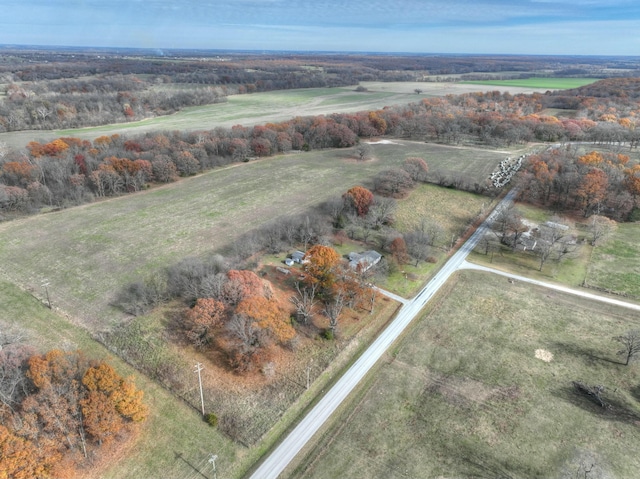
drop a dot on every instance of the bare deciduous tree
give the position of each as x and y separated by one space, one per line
601 228
364 151
333 309
304 301
630 342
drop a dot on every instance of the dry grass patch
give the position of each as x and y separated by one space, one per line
543 354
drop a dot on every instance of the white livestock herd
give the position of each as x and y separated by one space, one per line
505 171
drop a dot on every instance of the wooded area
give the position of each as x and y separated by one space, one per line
60 411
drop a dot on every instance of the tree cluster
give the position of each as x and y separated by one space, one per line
593 183
45 105
58 411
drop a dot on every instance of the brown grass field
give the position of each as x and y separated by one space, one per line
472 391
88 253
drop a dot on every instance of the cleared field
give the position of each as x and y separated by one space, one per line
539 83
260 108
172 426
88 253
436 88
482 387
615 266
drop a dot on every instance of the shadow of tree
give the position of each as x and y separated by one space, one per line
616 408
589 355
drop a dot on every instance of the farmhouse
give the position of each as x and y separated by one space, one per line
364 260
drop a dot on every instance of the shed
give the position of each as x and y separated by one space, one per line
298 257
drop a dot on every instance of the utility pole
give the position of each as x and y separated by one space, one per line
45 285
199 368
212 460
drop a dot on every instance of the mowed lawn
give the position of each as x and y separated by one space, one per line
88 253
464 395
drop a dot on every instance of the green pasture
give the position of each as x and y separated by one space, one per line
464 395
88 253
544 83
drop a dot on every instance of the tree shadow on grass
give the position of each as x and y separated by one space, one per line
635 392
478 460
589 355
179 456
615 409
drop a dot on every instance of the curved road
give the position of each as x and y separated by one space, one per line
280 457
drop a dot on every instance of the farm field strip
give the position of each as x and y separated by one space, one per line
539 83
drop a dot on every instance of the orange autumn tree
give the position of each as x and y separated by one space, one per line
320 266
241 284
201 320
269 316
71 407
632 180
359 198
592 189
593 158
19 457
122 393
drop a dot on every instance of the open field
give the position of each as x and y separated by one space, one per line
538 83
615 265
172 426
472 391
260 108
88 253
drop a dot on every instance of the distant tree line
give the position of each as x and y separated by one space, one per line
70 171
47 90
74 103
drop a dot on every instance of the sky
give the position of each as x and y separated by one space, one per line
544 27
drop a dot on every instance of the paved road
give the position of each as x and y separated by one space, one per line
557 287
280 457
